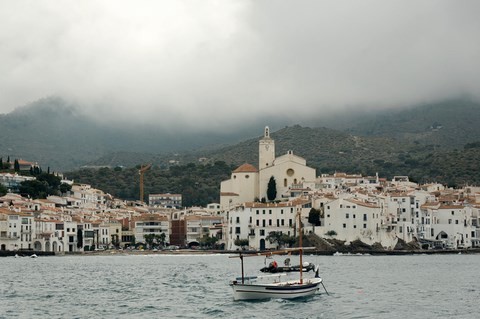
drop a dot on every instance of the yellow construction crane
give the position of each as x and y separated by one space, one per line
142 171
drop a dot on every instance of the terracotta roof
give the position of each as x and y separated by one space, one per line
292 203
451 207
360 203
246 168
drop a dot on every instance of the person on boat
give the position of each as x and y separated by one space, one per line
272 267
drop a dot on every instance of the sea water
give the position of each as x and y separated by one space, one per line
197 286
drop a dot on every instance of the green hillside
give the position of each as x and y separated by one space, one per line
448 124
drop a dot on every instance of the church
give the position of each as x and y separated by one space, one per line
249 184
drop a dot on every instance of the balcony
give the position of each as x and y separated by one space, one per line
8 237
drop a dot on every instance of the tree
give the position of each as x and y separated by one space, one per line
280 238
64 188
272 189
241 243
115 241
208 242
3 190
43 186
314 217
16 165
149 239
161 238
34 189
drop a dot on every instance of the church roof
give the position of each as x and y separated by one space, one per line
246 168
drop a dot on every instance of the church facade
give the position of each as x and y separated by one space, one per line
249 184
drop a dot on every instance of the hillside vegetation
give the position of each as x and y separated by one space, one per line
198 184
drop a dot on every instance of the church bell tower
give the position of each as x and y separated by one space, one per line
266 150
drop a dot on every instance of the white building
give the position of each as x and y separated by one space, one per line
90 197
350 219
151 224
255 221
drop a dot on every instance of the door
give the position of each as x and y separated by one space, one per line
262 244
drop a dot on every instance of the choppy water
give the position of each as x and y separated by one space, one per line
173 286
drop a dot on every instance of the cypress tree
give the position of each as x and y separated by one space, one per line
272 189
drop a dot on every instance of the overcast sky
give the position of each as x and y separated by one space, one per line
215 63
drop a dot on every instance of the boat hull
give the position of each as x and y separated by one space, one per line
286 290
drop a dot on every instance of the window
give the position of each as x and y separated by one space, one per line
237 230
344 225
258 222
365 217
283 222
456 221
238 219
270 212
262 232
258 212
263 212
269 222
263 223
449 221
281 211
347 215
290 222
364 225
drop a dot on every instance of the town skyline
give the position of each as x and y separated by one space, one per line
381 213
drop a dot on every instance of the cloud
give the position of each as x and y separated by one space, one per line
216 64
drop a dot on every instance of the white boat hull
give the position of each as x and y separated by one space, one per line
283 290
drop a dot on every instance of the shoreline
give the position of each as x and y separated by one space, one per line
246 252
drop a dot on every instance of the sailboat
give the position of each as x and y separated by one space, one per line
272 286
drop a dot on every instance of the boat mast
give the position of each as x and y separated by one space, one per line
300 244
243 275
